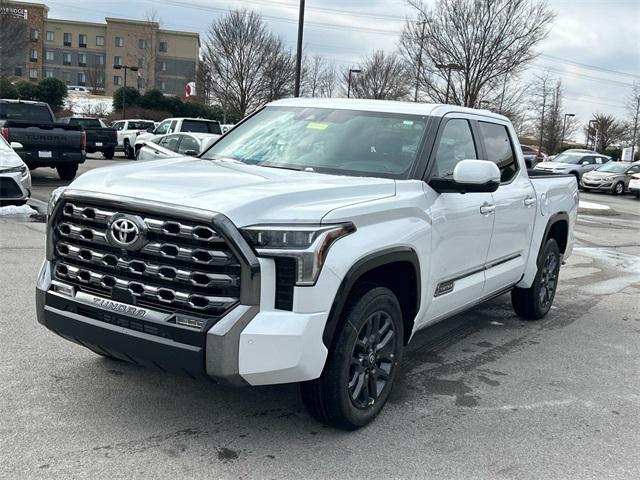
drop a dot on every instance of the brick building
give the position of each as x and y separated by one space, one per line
84 53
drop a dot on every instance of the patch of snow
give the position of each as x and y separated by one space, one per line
16 210
592 206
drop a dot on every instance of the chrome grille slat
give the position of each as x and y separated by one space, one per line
186 266
154 269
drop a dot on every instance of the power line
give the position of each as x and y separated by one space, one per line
587 66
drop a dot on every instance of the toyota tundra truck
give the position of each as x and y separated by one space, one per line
307 245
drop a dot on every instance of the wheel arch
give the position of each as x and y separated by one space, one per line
558 229
384 268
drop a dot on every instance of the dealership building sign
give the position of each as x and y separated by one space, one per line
14 12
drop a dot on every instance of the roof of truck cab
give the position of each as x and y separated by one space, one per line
389 106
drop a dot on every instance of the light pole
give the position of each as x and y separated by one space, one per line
124 90
448 67
564 125
351 70
415 97
296 88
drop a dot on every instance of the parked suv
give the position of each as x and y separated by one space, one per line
308 244
575 163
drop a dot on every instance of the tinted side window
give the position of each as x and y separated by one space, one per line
170 142
589 160
162 128
499 149
635 169
456 144
194 126
188 143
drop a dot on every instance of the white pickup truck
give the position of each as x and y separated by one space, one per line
307 245
178 125
128 131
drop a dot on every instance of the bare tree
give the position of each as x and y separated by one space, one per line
279 71
606 130
328 81
13 39
95 74
312 72
239 52
149 34
383 76
633 109
483 40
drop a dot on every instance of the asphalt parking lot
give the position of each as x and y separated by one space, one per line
482 395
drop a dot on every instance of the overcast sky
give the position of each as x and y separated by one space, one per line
594 46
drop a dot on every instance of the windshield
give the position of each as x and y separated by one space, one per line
140 125
613 167
25 111
86 122
568 158
343 142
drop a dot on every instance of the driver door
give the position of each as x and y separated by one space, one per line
462 225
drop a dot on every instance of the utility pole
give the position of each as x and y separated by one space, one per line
296 92
564 124
415 98
544 103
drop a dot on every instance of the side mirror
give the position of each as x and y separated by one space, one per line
470 176
16 145
191 153
585 163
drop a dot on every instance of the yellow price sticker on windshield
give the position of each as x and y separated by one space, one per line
318 126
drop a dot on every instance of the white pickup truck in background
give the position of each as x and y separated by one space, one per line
128 130
307 245
178 125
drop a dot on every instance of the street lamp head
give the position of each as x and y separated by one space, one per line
117 67
133 69
569 114
355 70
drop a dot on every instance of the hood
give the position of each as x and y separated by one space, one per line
597 174
246 194
555 165
146 136
9 159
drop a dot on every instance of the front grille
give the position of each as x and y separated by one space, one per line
184 266
9 188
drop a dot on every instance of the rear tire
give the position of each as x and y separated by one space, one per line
108 154
67 171
533 303
618 188
362 362
128 150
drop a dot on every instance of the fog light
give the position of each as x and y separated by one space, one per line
63 289
190 322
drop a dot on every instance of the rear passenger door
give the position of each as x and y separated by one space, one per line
515 208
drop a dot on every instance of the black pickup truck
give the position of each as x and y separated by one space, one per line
99 138
45 143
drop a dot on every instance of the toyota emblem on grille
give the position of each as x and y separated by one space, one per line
126 231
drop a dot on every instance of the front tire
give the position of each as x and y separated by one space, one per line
108 154
618 188
128 150
533 303
362 362
67 171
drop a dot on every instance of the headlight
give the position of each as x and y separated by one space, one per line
55 196
307 244
609 178
19 169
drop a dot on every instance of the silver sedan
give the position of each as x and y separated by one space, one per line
15 179
612 177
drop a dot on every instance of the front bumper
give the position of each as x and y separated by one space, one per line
15 187
597 184
253 345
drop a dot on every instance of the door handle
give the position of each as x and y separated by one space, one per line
487 208
529 201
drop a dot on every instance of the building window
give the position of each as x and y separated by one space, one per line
50 36
17 71
67 77
33 74
99 41
35 34
49 55
141 83
119 42
163 46
163 66
48 74
33 55
67 39
82 59
117 60
141 63
99 59
117 80
142 43
66 58
163 85
82 40
82 79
